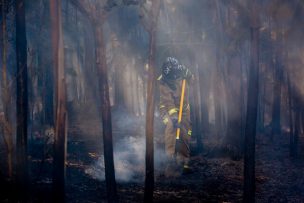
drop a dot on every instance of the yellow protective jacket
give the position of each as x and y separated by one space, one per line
170 95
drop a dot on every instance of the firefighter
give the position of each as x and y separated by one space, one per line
170 87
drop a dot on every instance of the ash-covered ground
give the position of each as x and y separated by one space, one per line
215 178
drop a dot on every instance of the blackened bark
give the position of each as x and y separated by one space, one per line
302 124
149 178
217 81
106 113
149 181
22 102
97 17
4 61
61 113
252 107
6 96
261 105
296 131
49 97
296 124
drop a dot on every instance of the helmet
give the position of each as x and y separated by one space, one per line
170 68
172 60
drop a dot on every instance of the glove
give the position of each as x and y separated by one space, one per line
186 73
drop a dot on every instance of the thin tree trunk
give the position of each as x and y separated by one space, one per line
263 107
260 104
61 113
4 67
106 114
149 179
302 123
291 129
22 103
242 104
6 97
218 78
252 107
296 134
48 96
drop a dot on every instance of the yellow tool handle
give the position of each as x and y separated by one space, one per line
181 104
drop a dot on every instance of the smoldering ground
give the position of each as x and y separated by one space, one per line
129 151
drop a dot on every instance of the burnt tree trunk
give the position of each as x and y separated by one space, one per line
242 103
291 119
296 130
6 97
61 113
22 102
296 124
149 178
105 112
252 107
261 104
97 17
217 81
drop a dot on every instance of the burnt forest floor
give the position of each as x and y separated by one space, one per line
215 177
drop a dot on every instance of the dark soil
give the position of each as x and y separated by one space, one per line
215 177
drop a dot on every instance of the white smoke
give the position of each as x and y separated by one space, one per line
129 161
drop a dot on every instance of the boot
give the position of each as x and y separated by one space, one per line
186 167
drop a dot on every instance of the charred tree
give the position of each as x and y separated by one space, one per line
261 105
60 95
97 18
45 75
151 27
101 65
291 118
217 81
22 103
296 124
48 76
49 97
6 97
252 106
